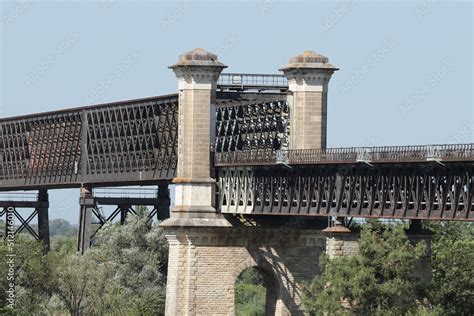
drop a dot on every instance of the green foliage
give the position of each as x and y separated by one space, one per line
251 276
122 274
124 269
250 293
61 227
380 280
76 278
63 245
453 270
34 270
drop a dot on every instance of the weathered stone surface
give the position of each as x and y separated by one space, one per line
198 57
197 72
308 75
207 261
309 60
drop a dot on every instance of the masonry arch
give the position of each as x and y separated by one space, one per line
266 277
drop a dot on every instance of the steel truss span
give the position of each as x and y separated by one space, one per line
127 142
409 191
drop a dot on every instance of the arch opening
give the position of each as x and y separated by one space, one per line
256 292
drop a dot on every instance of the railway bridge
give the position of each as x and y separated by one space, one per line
255 184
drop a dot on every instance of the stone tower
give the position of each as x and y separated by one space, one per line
207 250
308 76
197 72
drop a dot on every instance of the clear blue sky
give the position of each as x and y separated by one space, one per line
405 78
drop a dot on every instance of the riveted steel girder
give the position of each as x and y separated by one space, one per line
405 191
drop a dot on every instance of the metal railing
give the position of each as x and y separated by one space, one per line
18 196
126 192
240 81
386 154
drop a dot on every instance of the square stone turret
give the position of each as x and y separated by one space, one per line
308 75
197 72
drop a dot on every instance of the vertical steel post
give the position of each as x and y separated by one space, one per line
43 218
86 201
123 213
164 202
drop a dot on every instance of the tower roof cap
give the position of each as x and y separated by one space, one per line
198 57
309 60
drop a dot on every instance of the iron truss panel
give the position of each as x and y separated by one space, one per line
404 191
133 138
259 126
126 142
41 149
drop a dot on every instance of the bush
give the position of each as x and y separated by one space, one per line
380 280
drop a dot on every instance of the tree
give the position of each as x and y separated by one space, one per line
75 279
380 280
453 270
250 293
121 274
34 270
63 245
61 227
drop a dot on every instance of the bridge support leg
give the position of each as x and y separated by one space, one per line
415 234
86 201
43 218
164 202
123 213
416 226
205 262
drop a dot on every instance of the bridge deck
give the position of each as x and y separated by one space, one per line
406 182
406 191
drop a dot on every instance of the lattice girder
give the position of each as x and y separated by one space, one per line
132 141
421 191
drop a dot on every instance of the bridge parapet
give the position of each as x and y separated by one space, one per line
350 155
259 82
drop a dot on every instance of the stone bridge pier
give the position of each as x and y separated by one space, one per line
209 250
205 262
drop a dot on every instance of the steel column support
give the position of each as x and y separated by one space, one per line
416 226
43 218
86 201
164 202
123 213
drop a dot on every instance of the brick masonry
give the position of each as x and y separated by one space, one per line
308 120
339 245
205 263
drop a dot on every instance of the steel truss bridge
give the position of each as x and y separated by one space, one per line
135 143
406 182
